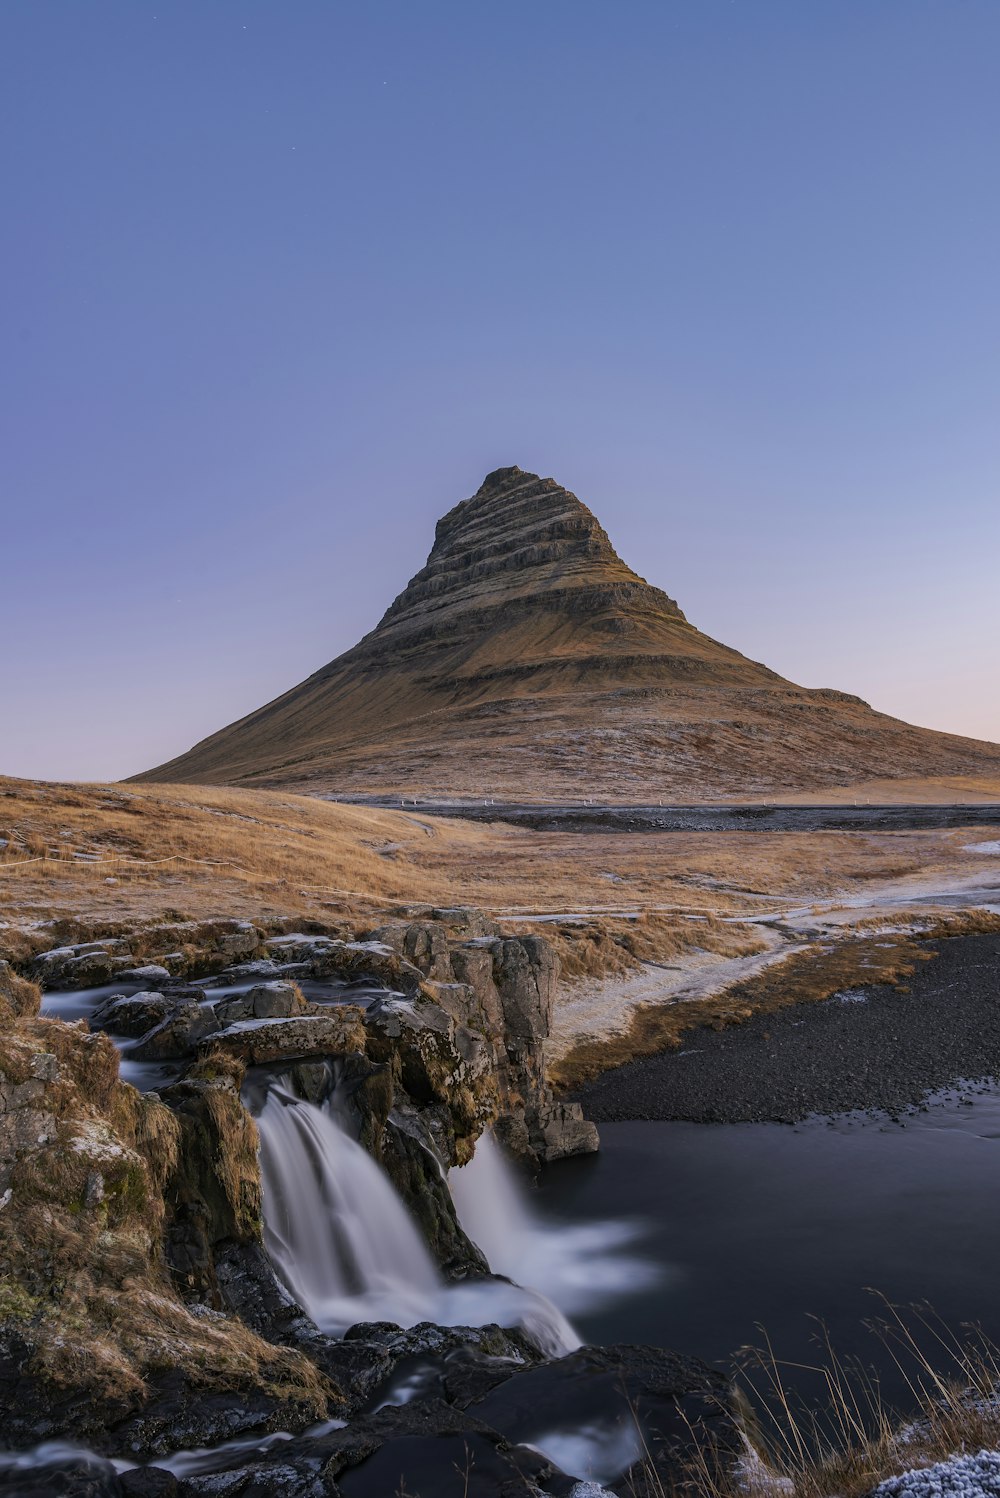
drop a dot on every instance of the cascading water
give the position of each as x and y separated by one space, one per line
579 1266
348 1250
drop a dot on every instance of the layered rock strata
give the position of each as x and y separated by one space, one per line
527 661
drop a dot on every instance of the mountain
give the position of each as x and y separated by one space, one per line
527 661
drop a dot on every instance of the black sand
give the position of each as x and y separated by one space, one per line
871 1049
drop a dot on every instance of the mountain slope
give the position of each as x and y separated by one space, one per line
526 660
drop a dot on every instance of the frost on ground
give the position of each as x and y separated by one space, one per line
603 1006
958 1477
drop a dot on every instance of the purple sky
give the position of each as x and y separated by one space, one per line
281 283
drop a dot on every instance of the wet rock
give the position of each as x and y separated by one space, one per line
335 1032
274 1000
556 1130
149 1482
214 1193
132 1015
179 1032
675 1400
85 965
415 1173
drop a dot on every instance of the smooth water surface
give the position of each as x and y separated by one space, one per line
771 1224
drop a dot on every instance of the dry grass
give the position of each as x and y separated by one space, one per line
612 946
807 976
849 1441
101 855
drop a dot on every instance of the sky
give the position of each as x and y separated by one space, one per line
280 283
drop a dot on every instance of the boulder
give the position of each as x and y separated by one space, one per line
179 1032
275 1000
85 965
133 1015
422 943
557 1129
338 1031
149 972
372 962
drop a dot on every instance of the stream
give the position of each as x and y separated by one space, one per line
700 1238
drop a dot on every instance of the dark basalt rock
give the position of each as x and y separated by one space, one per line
274 1000
176 1035
134 1015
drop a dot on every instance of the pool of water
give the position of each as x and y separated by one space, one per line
770 1225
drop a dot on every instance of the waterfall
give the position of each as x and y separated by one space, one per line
343 1242
579 1266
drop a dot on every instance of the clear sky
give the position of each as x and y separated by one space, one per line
282 281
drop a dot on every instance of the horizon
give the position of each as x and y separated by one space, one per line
727 277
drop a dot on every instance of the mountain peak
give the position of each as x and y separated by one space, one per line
526 655
522 543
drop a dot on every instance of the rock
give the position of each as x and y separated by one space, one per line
436 1061
25 1119
85 965
213 1195
675 1399
368 962
45 1067
150 972
179 1032
274 1000
336 1032
239 942
131 1015
422 943
557 1129
296 946
416 1175
525 972
149 1482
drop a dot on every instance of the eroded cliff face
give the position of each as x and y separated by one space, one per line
97 1340
526 661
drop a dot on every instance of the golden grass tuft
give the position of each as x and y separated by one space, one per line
850 1440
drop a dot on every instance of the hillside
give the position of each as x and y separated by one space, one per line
527 661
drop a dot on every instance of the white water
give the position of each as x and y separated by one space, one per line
579 1266
347 1248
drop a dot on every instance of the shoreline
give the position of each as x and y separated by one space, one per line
878 1049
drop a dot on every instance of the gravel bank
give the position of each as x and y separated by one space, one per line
869 1049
